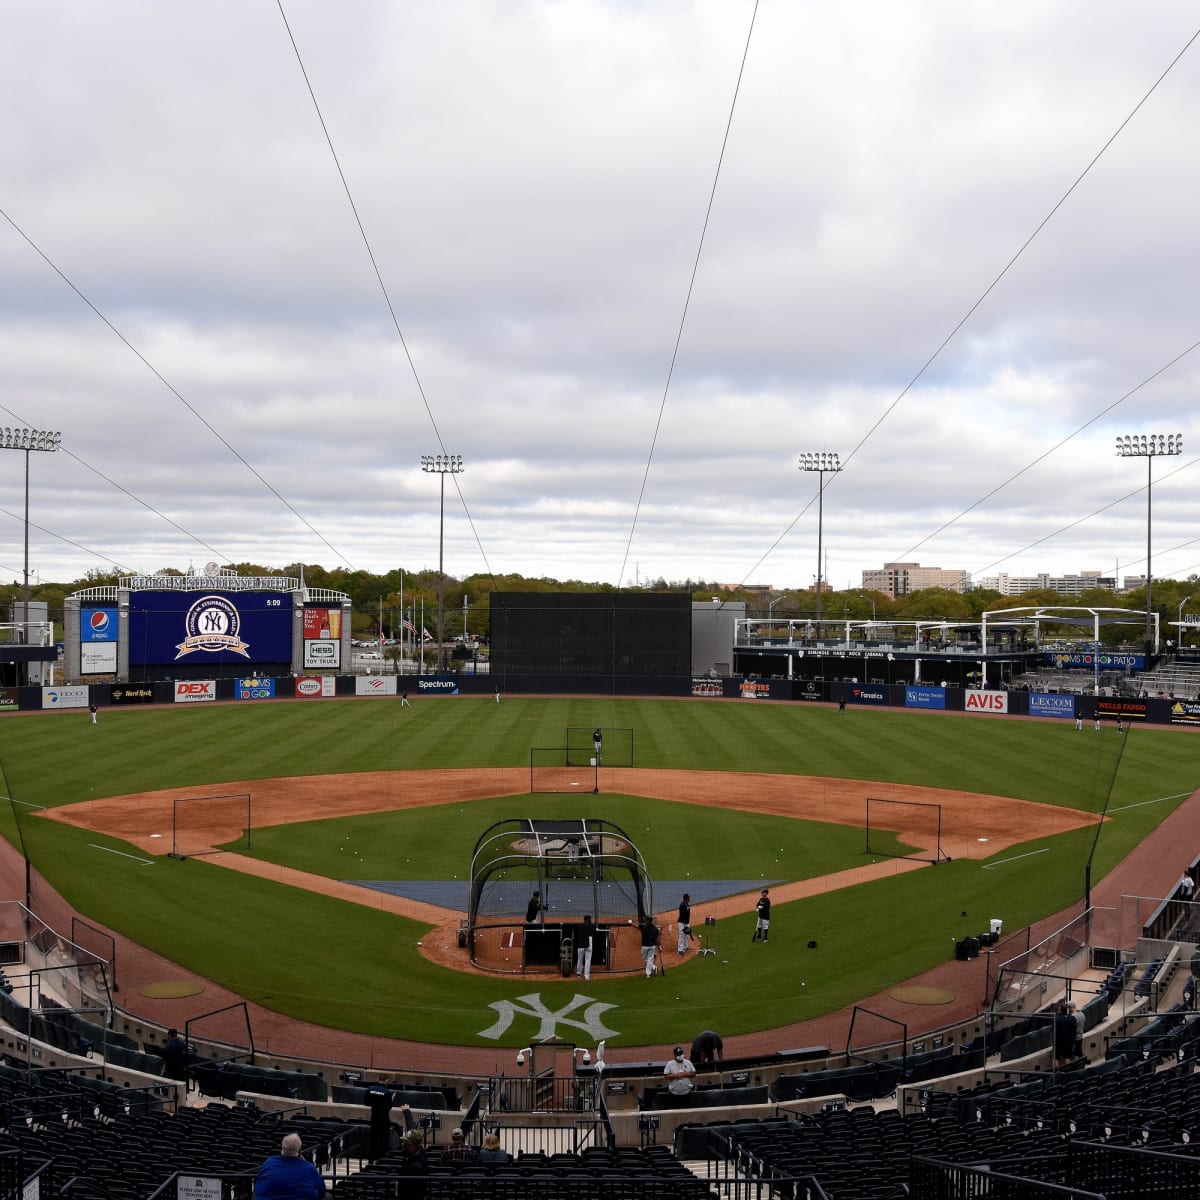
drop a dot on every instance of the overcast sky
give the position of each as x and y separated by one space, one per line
533 181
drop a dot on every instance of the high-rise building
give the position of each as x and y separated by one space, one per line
899 579
1065 585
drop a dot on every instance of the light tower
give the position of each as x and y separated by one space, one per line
441 465
28 440
823 462
1149 447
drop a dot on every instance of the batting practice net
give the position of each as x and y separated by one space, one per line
203 824
915 823
578 763
577 867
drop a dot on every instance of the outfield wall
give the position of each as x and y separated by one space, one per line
1061 706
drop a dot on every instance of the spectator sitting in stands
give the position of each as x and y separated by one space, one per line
413 1165
287 1176
458 1151
491 1152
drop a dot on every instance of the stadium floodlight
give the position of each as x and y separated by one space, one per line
28 440
823 462
441 465
1149 447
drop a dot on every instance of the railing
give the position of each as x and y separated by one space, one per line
545 1093
933 1179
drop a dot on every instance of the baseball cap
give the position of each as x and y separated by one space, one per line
678 1051
454 1133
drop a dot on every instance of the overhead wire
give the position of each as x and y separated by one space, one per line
1081 520
121 488
69 542
387 299
168 385
687 299
1046 453
982 297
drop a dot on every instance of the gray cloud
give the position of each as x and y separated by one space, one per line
533 179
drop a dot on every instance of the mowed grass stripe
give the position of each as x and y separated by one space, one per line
355 967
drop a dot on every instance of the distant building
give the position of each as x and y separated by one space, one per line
900 579
1065 585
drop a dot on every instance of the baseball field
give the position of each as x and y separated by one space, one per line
350 791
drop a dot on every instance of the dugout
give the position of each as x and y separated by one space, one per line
578 866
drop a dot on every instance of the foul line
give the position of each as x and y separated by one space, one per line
25 803
148 861
1015 857
1143 803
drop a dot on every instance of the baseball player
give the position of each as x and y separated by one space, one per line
763 925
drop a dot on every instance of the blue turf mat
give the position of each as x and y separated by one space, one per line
567 898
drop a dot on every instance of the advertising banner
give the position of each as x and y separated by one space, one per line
209 627
375 685
708 687
315 687
916 696
322 654
1051 704
8 698
859 693
98 625
254 688
322 624
437 685
807 689
755 689
1108 662
131 693
194 691
1131 710
985 702
64 697
98 658
1185 712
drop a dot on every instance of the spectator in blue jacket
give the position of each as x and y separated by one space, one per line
287 1176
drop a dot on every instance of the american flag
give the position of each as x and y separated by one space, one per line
409 626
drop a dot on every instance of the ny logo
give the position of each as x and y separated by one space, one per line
213 620
550 1019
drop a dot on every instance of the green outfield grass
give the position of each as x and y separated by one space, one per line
357 968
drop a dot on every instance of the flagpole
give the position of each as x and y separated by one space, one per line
401 667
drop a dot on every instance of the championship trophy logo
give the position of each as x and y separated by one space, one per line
212 624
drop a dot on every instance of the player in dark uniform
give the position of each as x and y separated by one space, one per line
707 1048
763 925
649 943
685 923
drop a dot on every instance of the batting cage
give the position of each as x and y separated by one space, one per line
533 881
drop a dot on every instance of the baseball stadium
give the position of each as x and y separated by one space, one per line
610 869
324 890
